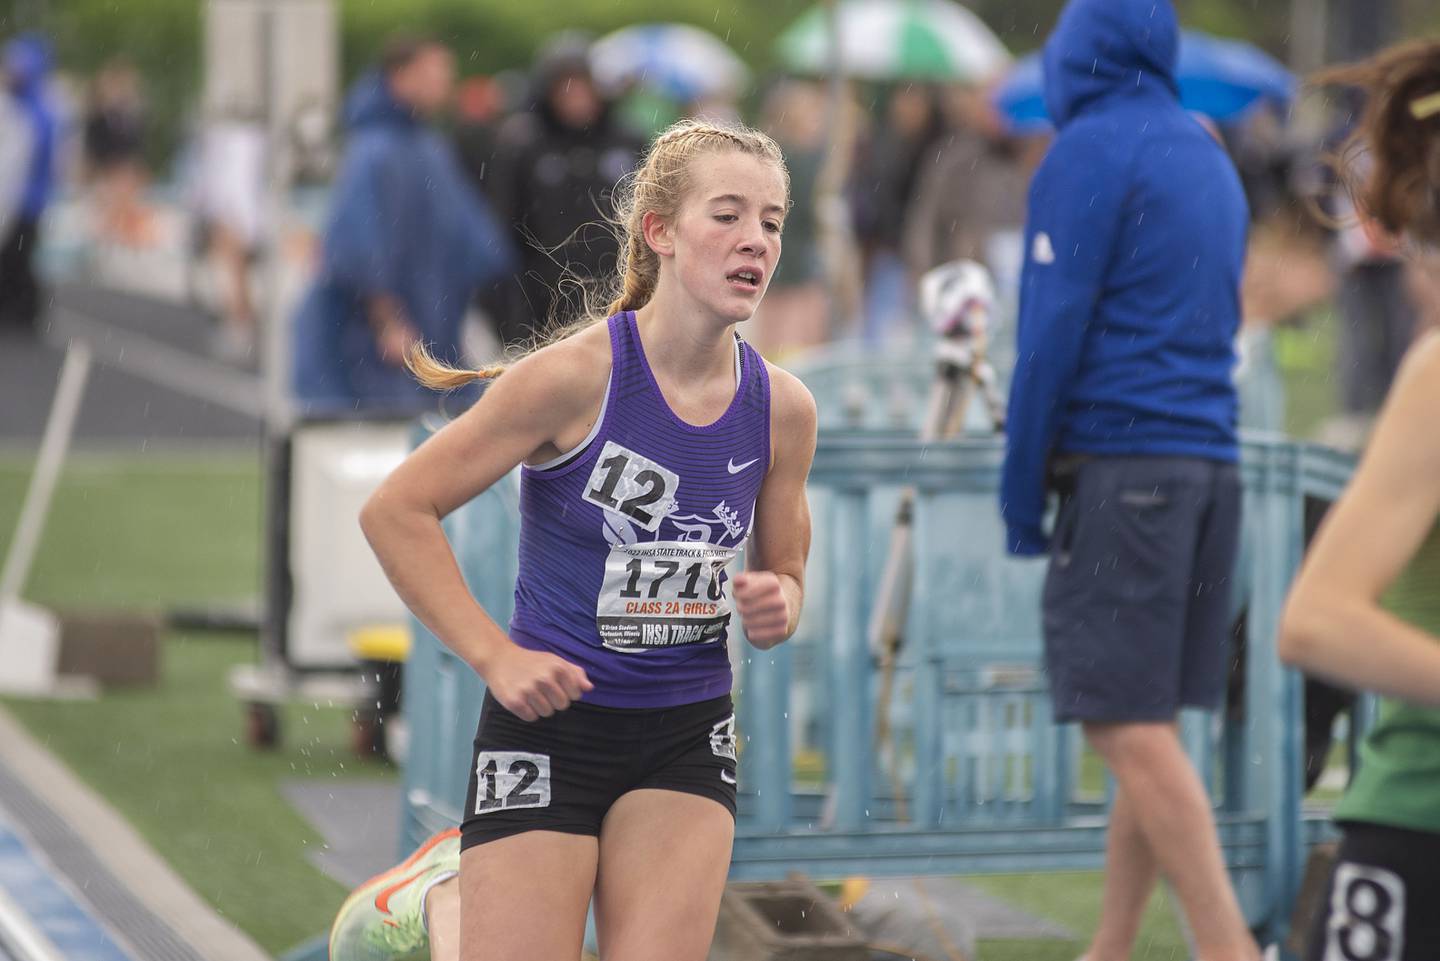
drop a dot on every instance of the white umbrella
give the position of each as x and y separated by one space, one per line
676 59
896 40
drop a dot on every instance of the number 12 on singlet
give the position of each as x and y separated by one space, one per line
633 485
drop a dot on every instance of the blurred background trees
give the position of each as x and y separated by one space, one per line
162 37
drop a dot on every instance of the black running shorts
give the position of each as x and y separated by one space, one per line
1380 905
563 772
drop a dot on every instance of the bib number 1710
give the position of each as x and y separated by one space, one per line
656 572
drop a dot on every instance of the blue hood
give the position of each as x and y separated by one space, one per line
403 222
370 103
27 66
27 61
1103 46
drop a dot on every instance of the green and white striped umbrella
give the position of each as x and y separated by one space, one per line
895 40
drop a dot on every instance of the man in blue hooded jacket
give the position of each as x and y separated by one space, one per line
1123 401
26 68
408 243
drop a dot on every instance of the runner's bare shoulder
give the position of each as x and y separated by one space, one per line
561 385
793 413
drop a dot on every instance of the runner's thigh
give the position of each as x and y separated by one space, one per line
664 857
524 897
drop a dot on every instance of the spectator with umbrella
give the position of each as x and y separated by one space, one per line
913 44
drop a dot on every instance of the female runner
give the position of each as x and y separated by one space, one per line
656 445
1365 610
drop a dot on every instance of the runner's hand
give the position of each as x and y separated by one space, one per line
535 684
763 607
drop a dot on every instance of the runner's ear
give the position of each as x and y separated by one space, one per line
658 233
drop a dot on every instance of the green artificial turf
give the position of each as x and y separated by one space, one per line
1073 899
143 532
148 533
1305 353
173 761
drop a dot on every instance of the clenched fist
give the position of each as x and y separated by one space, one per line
763 606
535 684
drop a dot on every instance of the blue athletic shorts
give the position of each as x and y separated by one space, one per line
1137 598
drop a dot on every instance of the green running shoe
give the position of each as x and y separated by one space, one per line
384 918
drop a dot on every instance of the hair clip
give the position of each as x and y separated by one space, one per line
1423 108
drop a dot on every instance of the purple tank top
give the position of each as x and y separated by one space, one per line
624 541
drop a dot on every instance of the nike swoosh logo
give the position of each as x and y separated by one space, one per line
382 900
726 776
735 468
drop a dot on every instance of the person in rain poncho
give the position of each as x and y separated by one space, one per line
1123 400
407 245
16 145
31 177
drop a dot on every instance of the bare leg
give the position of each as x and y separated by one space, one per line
664 857
523 898
1130 875
442 920
235 269
1173 813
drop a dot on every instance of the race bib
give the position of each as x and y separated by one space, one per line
632 485
664 594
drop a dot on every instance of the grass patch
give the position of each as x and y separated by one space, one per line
1305 354
149 533
172 761
1073 899
143 532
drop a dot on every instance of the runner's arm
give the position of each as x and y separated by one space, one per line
1333 623
518 418
782 520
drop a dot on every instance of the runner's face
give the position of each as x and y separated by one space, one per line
727 233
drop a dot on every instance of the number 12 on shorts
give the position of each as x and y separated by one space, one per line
508 780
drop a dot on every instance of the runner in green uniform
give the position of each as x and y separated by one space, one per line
1365 610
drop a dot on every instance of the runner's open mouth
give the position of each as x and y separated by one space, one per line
746 277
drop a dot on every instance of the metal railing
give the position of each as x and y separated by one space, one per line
975 778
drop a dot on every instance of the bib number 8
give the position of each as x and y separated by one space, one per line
1367 915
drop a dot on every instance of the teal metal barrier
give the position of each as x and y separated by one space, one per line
978 778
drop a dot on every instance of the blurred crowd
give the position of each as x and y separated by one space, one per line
499 218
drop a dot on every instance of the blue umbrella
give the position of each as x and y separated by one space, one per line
673 59
1219 78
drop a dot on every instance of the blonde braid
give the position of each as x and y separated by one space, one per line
639 271
438 375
